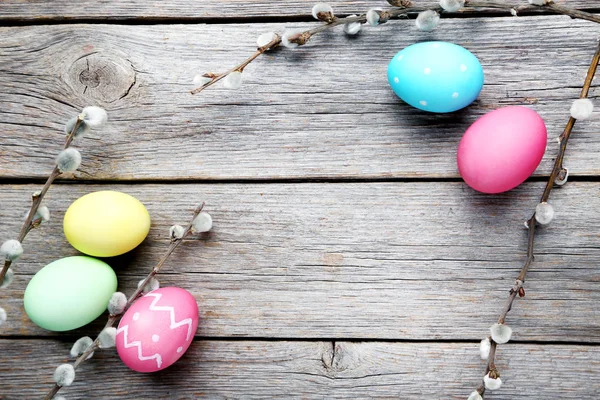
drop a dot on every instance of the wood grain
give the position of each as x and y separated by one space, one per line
310 370
39 10
322 111
350 260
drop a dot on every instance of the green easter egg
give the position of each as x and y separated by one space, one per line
69 293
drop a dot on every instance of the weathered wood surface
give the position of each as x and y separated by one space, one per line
349 260
418 269
39 10
322 111
255 369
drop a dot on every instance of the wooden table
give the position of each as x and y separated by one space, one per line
348 259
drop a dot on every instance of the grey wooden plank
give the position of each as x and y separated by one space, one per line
155 9
353 260
311 370
323 111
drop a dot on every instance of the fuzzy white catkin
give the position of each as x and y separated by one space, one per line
80 346
8 278
285 39
452 5
373 17
176 232
352 28
117 303
233 80
427 20
484 348
475 396
537 2
59 398
582 109
68 160
321 8
513 12
501 333
42 213
82 130
265 39
11 250
153 284
202 223
491 383
201 80
64 375
544 213
561 181
107 337
3 316
94 116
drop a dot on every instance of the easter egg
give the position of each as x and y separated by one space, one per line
106 223
157 329
439 77
69 293
502 149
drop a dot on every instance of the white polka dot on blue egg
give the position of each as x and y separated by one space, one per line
439 77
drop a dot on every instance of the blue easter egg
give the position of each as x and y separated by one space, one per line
438 77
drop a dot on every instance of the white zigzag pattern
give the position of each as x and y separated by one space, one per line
174 325
138 344
171 310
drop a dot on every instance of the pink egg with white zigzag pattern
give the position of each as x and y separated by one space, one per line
157 329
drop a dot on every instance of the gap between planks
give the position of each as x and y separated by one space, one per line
66 337
273 181
10 22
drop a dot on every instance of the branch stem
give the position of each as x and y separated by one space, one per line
517 288
37 198
550 6
239 68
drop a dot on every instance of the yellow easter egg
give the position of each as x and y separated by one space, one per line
106 223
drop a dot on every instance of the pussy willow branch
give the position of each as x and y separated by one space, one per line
37 198
113 318
550 6
396 12
517 288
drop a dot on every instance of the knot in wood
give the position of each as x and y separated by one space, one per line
340 357
90 78
102 77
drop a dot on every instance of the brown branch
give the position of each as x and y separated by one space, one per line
113 318
517 288
37 198
550 6
572 12
239 68
302 37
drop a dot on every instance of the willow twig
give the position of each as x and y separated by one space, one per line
518 288
302 37
550 6
571 12
239 68
37 198
113 318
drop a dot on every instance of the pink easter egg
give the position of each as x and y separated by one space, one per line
157 329
502 149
